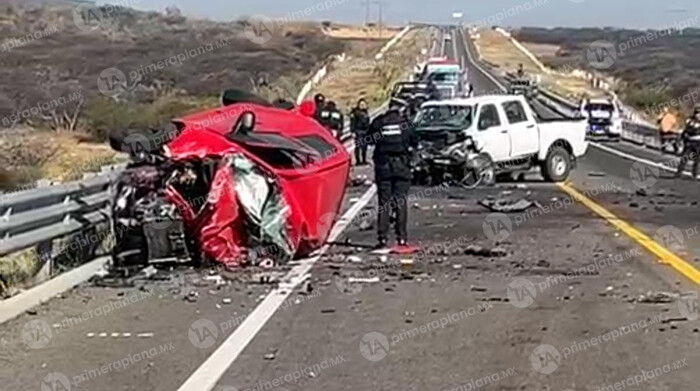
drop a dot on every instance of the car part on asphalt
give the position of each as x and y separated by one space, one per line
509 206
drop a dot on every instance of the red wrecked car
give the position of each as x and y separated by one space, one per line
238 184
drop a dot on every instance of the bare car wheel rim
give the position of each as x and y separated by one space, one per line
558 165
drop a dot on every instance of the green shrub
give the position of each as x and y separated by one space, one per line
646 98
104 115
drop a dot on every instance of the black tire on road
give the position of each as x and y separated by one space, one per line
557 165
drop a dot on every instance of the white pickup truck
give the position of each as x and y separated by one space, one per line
504 130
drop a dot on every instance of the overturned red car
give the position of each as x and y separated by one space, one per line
236 185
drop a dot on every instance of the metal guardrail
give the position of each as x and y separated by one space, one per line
40 215
637 133
36 217
32 217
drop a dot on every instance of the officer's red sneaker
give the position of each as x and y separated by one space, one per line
404 248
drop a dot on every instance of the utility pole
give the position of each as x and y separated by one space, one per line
368 6
380 18
368 15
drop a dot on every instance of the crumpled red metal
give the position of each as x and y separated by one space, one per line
313 192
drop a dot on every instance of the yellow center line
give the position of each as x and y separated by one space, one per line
665 255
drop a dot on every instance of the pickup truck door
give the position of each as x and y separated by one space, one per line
524 134
493 133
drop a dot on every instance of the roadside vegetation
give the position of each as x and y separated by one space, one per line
55 120
654 67
173 65
360 75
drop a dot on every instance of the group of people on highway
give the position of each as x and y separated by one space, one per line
691 144
685 140
393 141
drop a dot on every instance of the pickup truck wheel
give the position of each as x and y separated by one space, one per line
557 165
481 172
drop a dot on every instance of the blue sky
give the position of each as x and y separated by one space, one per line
574 13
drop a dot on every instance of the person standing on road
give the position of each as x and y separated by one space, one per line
394 140
336 121
320 101
668 126
691 144
359 126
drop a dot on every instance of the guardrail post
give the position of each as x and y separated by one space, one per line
44 251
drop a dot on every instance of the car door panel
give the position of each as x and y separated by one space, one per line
495 140
524 139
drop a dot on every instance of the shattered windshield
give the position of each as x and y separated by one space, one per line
444 116
445 77
599 107
277 150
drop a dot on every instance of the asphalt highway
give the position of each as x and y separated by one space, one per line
592 290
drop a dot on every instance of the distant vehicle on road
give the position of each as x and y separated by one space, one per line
475 139
604 118
447 75
415 94
522 86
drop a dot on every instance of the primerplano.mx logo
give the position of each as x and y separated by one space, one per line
547 358
38 333
375 346
113 82
57 381
17 42
522 292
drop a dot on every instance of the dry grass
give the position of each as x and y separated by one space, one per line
16 268
499 50
361 32
361 76
29 156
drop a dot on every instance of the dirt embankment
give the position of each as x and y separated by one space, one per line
70 82
497 50
361 75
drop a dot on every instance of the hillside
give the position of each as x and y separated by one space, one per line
655 67
131 69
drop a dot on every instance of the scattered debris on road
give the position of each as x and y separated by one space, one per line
481 251
508 206
655 298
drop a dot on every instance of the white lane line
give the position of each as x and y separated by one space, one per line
638 159
482 70
209 373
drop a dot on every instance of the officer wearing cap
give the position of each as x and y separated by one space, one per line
320 101
691 144
394 141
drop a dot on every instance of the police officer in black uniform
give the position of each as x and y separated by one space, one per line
394 141
320 101
359 126
336 121
691 144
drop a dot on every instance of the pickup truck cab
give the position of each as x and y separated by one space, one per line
505 130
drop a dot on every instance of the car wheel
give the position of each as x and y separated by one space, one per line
557 165
480 173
